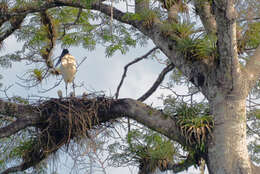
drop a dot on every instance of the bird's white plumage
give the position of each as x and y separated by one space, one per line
68 68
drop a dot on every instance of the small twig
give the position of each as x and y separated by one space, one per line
156 83
83 60
126 4
67 25
179 95
111 17
54 86
31 79
78 16
5 91
255 19
254 132
129 64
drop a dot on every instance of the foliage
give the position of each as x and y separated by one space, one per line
193 46
252 35
253 132
142 145
14 148
195 121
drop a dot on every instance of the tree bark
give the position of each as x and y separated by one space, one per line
227 150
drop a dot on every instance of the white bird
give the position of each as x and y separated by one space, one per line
67 68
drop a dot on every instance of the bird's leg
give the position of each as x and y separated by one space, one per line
66 87
73 86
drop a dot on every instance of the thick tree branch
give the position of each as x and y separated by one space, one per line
225 13
26 116
19 124
203 9
43 115
144 114
158 81
15 22
51 37
17 110
13 169
23 166
106 9
129 64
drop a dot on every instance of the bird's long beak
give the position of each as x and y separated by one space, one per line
62 54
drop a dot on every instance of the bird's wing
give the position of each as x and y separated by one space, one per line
68 59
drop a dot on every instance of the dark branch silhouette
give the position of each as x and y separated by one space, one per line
158 81
129 64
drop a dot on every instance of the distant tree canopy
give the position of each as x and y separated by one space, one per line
212 48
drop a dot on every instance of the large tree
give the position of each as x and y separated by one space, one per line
219 54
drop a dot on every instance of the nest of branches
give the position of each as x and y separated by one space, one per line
65 120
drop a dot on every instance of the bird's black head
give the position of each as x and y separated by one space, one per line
65 51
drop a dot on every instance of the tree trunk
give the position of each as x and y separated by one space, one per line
227 150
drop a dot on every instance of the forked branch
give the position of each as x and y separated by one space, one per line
158 81
129 64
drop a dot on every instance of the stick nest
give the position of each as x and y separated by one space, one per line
65 120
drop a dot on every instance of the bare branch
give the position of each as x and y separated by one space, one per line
51 36
106 9
203 9
136 110
26 116
17 110
225 13
77 18
129 64
23 166
156 83
13 169
17 125
15 22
